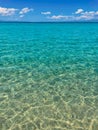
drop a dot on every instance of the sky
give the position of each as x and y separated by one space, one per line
48 10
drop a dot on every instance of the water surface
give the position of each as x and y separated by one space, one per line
48 76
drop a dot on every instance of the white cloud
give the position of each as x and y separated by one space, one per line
57 17
7 11
46 13
79 15
70 17
88 15
11 11
79 11
25 10
83 17
62 17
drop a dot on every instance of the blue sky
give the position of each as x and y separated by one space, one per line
48 10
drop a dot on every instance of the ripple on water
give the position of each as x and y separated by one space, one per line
48 81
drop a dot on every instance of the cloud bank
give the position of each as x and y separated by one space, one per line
12 11
78 15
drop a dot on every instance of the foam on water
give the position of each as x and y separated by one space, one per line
49 76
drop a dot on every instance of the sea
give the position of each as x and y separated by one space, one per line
49 76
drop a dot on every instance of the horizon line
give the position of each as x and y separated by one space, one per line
48 21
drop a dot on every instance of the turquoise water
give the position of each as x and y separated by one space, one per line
48 76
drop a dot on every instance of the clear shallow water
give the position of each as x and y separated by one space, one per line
48 76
